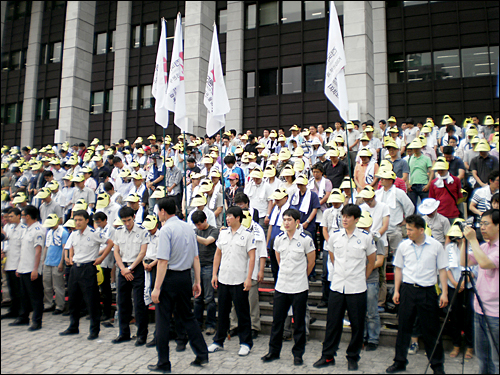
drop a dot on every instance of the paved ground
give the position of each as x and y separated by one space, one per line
45 351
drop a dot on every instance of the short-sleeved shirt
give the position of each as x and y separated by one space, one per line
375 275
487 282
350 253
108 231
482 198
34 236
177 244
260 249
214 205
234 247
152 250
86 245
313 203
85 193
411 134
207 253
292 274
483 167
130 243
455 165
439 225
211 219
421 263
54 242
51 208
400 166
378 213
418 169
15 236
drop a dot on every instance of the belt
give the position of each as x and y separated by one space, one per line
149 261
128 264
82 264
419 286
169 270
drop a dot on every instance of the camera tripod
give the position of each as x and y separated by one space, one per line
465 274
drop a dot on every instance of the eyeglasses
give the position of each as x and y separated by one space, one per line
484 223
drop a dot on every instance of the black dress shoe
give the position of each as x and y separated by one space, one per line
322 305
198 362
164 369
255 334
69 332
20 322
233 332
269 357
324 362
65 313
49 309
120 339
92 336
35 327
438 370
151 344
140 341
181 346
57 312
352 365
10 315
395 367
298 361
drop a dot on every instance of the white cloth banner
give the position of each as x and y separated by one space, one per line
335 86
176 91
216 99
159 89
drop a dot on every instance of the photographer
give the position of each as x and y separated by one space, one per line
487 257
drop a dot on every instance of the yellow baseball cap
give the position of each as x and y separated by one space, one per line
118 222
391 119
287 171
333 152
299 151
43 193
198 200
446 120
152 136
298 165
386 174
365 152
294 128
488 120
214 173
51 221
270 171
257 173
205 186
441 166
416 143
368 192
159 192
425 129
133 198
282 138
36 166
207 160
364 138
365 221
102 200
150 221
482 145
19 198
78 177
279 194
301 180
350 125
336 196
69 224
247 219
455 230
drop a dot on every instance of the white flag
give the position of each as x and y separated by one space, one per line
159 89
216 99
335 86
176 91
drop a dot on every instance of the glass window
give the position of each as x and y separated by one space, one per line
446 64
136 36
150 35
97 103
410 3
314 9
146 97
5 61
53 108
268 82
268 13
475 62
222 21
396 68
315 77
44 54
291 82
2 114
20 106
251 16
109 101
24 57
56 50
100 44
494 60
22 7
250 84
133 98
112 40
11 10
15 60
419 67
11 113
39 109
291 11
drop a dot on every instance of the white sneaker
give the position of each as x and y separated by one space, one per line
214 348
413 349
244 350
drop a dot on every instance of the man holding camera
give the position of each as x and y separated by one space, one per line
487 257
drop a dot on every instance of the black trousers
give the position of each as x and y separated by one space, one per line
274 262
227 295
282 303
106 293
421 302
82 285
14 284
125 289
356 310
31 297
462 318
175 297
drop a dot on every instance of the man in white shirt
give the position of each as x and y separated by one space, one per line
295 252
350 248
256 192
418 262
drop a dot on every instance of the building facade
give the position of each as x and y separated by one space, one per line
86 67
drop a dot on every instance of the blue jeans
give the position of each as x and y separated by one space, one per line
206 298
416 192
372 325
484 344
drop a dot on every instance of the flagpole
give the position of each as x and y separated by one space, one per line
348 158
185 175
164 163
223 183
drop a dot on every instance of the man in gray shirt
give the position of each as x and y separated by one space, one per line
173 176
48 206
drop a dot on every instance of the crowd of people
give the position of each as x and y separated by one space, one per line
165 221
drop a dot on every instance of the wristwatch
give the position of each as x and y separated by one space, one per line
129 267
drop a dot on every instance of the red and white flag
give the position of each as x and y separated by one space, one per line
176 91
159 89
216 99
335 86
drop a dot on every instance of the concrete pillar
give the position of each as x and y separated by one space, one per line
200 17
31 77
381 91
74 102
358 44
234 63
120 75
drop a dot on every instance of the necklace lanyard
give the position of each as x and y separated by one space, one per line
415 250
